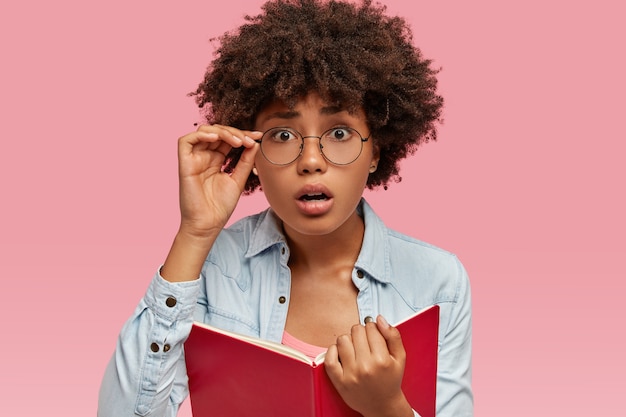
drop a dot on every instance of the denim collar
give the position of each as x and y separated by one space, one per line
373 258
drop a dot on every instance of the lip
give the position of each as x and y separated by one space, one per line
314 207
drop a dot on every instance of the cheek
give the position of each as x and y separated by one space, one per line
258 158
269 176
371 150
261 166
368 158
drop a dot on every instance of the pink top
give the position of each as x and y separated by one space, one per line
310 350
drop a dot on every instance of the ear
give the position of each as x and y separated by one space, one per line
375 159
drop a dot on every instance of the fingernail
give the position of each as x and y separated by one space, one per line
383 321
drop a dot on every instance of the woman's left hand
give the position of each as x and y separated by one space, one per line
366 367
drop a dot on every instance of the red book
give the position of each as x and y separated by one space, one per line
233 375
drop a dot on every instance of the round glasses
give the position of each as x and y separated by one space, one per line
339 145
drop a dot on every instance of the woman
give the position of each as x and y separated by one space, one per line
311 101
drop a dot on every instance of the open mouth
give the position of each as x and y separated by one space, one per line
314 197
314 200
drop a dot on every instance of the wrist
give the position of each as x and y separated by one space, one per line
186 256
199 236
399 407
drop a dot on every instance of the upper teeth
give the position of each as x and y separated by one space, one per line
312 196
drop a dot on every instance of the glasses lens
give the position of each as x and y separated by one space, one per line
281 146
341 145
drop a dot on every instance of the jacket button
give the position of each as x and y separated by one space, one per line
282 250
170 302
154 347
166 348
368 319
359 273
282 299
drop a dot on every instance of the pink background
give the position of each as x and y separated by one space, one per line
526 185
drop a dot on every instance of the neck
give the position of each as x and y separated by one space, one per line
341 247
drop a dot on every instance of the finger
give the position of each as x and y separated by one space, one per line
193 146
392 337
360 342
244 166
333 365
201 140
376 341
345 351
251 137
213 134
236 137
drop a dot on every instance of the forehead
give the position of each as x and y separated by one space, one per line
310 105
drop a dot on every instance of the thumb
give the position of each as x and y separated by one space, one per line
244 166
392 337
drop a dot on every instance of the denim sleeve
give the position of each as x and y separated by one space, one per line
454 390
146 375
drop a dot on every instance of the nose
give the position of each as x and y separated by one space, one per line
311 158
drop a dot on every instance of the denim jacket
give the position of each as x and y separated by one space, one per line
244 287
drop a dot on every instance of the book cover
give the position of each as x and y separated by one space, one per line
234 375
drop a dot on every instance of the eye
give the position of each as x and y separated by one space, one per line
281 135
340 134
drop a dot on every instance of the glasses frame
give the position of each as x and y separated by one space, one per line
319 143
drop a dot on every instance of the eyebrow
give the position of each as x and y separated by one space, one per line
292 114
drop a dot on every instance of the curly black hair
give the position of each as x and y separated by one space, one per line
352 55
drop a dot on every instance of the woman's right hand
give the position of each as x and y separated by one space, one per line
208 195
